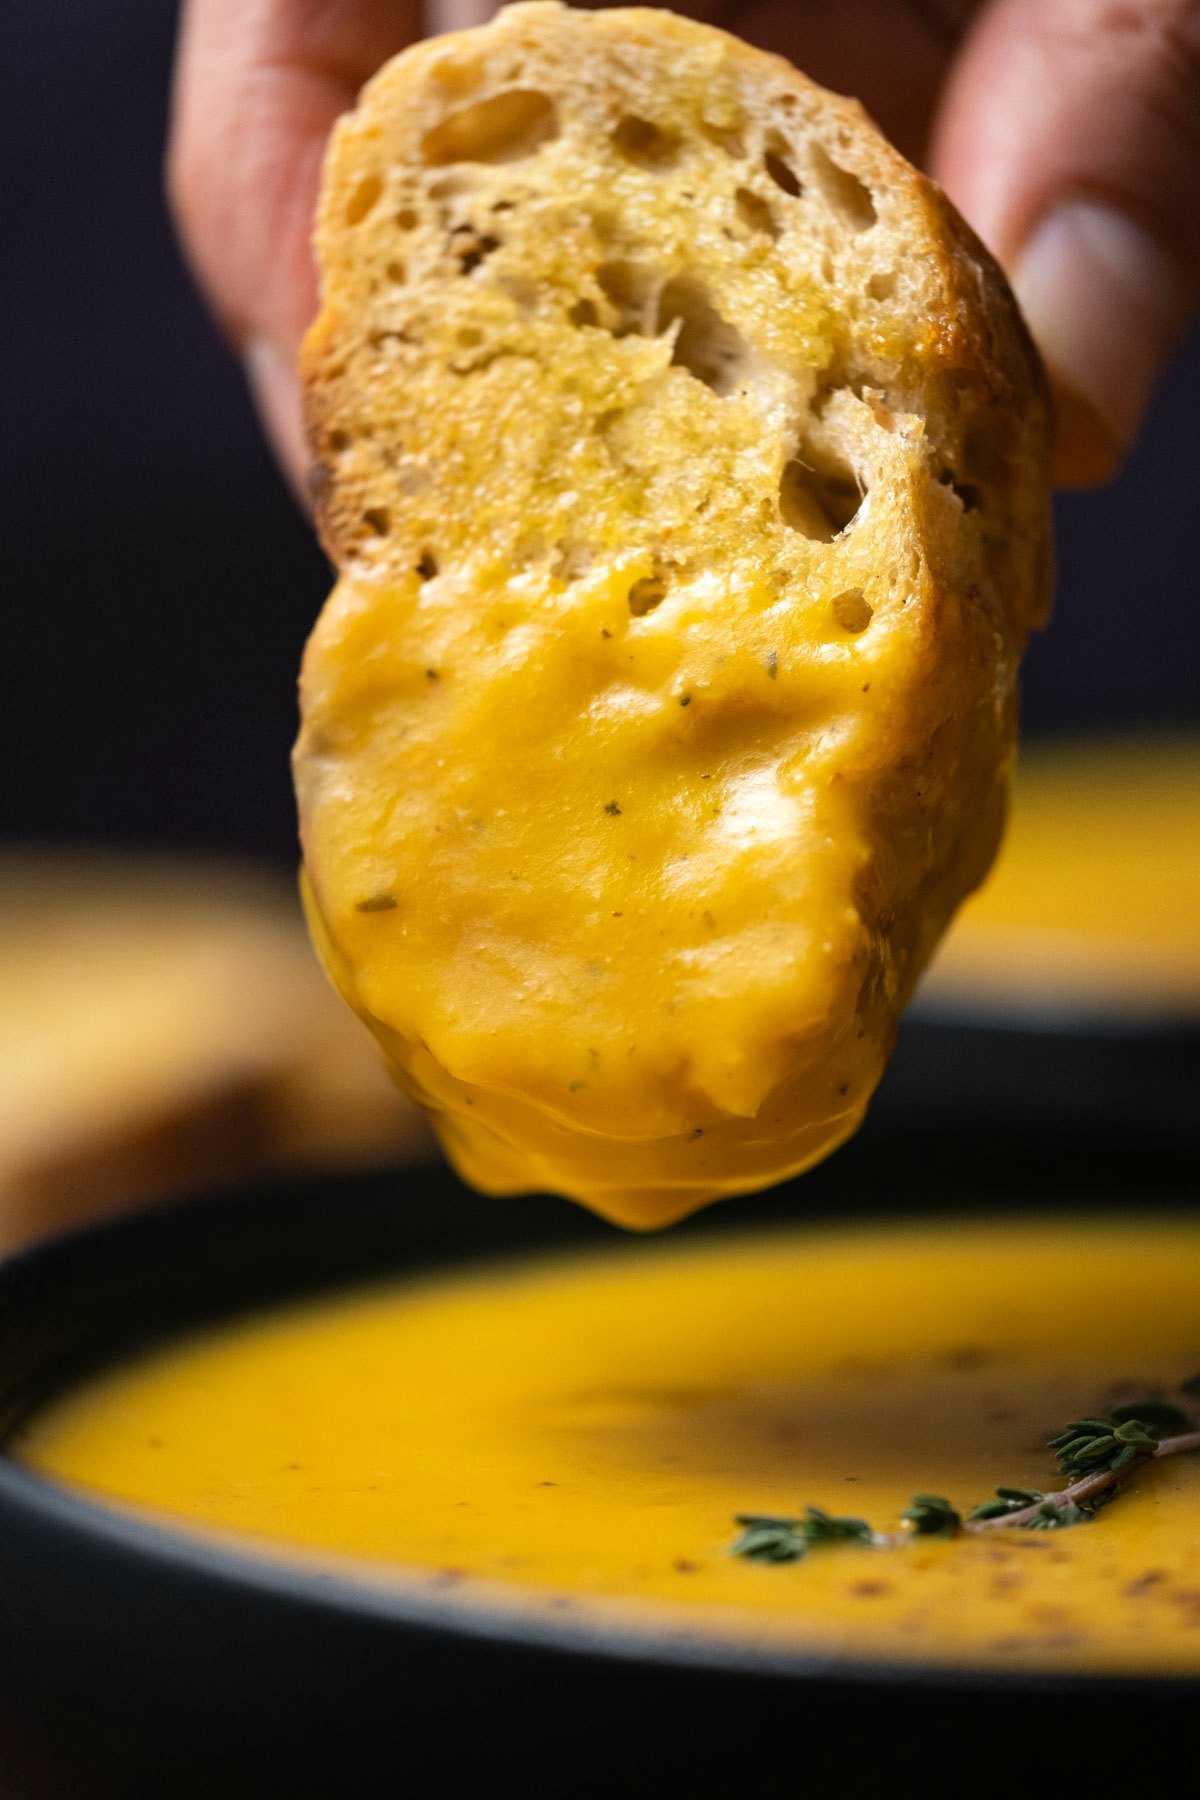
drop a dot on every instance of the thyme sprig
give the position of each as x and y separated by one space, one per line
1096 1455
1088 1445
768 1539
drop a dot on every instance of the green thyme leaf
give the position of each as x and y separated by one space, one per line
1089 1445
1097 1450
929 1515
766 1539
1055 1518
820 1527
1085 1448
1008 1500
1136 1433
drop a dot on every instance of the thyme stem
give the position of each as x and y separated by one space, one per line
1099 1453
1179 1446
1088 1486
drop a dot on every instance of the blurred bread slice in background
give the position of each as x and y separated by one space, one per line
164 1025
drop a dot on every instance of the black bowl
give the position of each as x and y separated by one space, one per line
137 1661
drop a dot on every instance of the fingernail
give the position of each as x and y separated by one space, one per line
273 382
1105 302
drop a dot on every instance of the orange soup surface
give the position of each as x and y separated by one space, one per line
572 1437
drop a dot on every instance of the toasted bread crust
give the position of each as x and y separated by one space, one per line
630 332
958 343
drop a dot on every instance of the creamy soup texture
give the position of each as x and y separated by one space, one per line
573 1437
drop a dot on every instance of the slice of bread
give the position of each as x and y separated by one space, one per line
684 459
163 1027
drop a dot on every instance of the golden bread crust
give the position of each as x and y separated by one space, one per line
648 376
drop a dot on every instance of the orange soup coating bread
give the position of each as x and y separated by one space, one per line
684 461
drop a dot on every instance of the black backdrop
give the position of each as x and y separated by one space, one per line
157 580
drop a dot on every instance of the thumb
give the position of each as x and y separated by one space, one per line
257 89
1070 137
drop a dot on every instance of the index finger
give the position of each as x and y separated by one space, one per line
258 86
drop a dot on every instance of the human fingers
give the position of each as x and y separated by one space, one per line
258 85
1070 138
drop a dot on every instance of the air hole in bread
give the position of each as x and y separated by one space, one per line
427 565
629 287
506 128
646 594
842 376
469 337
852 611
472 248
775 162
753 211
882 285
645 144
459 181
339 442
396 272
364 199
819 495
706 345
986 463
571 560
378 519
844 192
965 492
725 137
407 219
583 313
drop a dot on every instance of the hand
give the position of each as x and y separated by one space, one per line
1067 132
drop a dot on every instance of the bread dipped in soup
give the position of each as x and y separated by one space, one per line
684 460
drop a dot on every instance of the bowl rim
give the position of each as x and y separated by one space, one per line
324 1582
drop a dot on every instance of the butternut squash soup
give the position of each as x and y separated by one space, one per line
573 1438
1095 901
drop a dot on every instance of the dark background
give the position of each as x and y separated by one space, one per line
158 581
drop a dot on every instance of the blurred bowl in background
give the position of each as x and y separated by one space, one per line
140 1656
1066 996
1092 914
